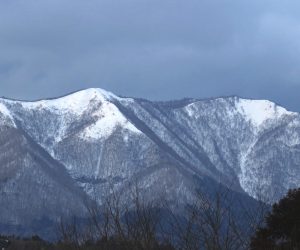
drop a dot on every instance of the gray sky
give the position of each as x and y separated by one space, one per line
156 49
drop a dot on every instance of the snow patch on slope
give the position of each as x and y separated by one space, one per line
109 119
5 112
189 109
192 110
258 111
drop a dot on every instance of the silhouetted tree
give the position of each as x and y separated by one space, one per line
282 225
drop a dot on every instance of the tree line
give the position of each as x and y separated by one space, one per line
205 224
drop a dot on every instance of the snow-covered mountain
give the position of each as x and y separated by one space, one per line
77 147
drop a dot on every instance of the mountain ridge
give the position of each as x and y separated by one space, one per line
171 148
145 99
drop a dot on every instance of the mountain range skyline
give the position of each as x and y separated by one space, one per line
150 49
65 94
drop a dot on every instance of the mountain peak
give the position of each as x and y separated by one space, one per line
77 102
91 93
258 111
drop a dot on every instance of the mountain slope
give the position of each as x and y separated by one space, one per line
35 189
94 141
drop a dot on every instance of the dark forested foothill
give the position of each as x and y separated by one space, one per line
206 225
35 243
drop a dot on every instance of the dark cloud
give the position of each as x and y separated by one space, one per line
151 48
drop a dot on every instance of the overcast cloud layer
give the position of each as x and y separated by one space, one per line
156 49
